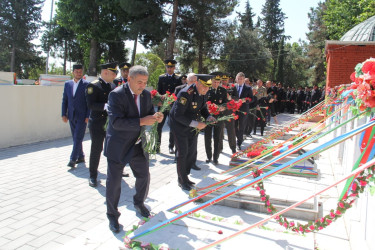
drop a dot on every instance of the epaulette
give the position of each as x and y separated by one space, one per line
95 81
190 90
162 74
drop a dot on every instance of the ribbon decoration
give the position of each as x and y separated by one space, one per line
354 173
247 173
275 171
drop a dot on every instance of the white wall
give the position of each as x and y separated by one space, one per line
31 114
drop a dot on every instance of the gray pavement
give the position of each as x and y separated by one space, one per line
46 205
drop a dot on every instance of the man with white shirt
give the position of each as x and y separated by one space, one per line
246 94
97 97
75 110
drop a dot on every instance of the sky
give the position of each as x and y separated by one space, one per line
296 12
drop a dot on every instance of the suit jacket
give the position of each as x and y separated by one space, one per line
246 92
124 127
75 106
167 83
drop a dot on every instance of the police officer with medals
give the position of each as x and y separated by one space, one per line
124 70
218 96
167 82
229 125
184 119
96 97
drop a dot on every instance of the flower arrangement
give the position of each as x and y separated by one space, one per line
166 102
362 88
364 178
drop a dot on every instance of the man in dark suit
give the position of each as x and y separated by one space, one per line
243 92
75 110
96 97
315 96
229 125
167 82
129 110
124 70
184 117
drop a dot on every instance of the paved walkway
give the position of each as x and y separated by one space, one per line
46 205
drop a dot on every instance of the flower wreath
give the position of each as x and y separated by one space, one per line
364 178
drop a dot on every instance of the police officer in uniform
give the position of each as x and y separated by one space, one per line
184 117
96 97
229 125
167 82
218 96
124 70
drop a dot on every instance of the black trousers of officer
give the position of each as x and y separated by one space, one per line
250 122
240 127
140 168
186 145
160 128
299 107
218 130
231 133
97 134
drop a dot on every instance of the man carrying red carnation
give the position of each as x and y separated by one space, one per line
216 97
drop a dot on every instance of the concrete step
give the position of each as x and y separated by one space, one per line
216 222
283 191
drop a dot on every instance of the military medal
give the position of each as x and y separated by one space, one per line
194 104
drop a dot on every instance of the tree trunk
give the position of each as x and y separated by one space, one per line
134 50
172 32
65 55
94 47
13 58
93 57
200 57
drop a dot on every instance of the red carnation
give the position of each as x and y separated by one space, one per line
352 77
154 93
369 67
363 183
341 205
168 93
371 101
338 212
220 232
262 192
312 227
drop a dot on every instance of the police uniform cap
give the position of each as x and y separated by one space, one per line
205 79
110 66
170 62
124 65
77 66
183 77
225 76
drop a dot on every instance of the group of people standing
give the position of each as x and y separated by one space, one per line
117 110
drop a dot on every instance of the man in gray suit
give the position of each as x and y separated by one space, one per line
129 110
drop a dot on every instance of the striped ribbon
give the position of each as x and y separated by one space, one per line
284 166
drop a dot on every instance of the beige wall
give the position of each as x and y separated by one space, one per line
31 114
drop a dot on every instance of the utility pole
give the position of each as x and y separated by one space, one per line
50 24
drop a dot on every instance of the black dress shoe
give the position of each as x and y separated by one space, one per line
93 182
142 210
216 161
175 160
114 226
239 147
191 183
233 151
184 186
125 174
81 160
195 167
71 164
208 160
171 151
158 150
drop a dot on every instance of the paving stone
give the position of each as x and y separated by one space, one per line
44 239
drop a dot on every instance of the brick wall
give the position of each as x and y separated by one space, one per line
342 59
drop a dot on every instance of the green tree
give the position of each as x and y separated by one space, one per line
245 52
202 24
342 15
19 24
272 27
279 76
295 65
247 17
154 65
317 36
